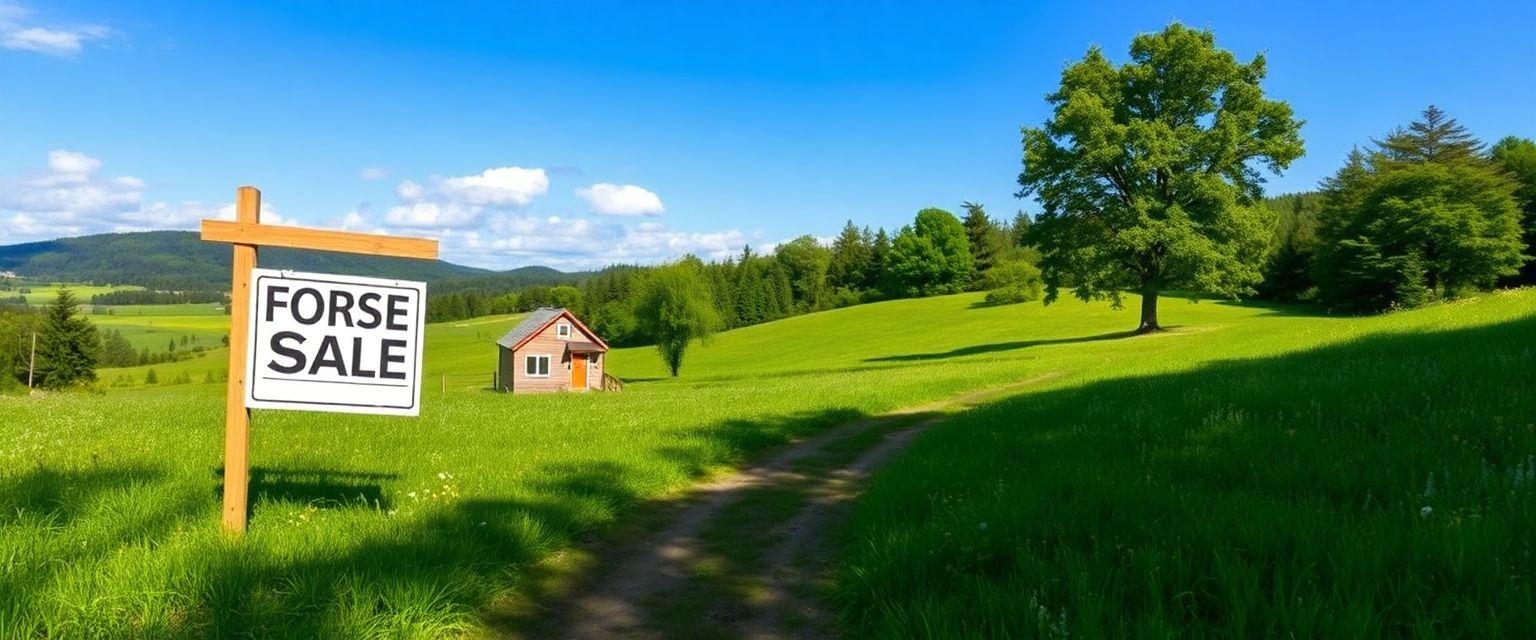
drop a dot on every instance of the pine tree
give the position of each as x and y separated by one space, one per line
986 239
116 351
68 346
1437 137
1020 229
850 258
879 255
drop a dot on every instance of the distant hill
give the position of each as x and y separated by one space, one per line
179 260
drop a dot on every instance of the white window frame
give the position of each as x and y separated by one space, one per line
563 331
539 371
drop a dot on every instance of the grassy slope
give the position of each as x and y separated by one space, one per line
366 525
1382 484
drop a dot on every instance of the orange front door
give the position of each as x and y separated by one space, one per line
578 371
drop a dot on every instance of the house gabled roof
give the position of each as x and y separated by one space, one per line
537 321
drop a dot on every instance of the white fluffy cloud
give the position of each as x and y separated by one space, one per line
463 201
71 197
610 199
18 32
501 186
484 220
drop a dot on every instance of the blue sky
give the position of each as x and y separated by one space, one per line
579 134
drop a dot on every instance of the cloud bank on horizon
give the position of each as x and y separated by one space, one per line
484 219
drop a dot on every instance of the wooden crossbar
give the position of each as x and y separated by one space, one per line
266 235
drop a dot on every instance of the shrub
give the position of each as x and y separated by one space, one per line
1013 282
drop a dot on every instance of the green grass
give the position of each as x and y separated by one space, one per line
43 294
156 332
373 526
1381 483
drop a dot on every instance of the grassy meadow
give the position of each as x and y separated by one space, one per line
1380 483
372 526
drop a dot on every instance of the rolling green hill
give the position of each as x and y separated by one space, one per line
370 526
179 260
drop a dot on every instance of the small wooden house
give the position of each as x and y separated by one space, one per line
550 350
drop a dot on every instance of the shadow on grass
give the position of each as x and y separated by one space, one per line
433 570
999 347
1374 488
318 488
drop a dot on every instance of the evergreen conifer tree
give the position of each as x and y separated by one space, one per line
68 347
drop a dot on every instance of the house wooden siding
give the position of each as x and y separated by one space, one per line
513 370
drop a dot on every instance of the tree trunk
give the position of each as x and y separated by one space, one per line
1149 312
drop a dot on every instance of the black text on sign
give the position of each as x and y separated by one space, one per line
323 342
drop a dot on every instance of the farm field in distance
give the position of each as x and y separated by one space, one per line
40 294
367 526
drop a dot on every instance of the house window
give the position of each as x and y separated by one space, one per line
563 331
536 366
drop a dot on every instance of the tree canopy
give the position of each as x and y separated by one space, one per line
1517 158
931 256
1149 173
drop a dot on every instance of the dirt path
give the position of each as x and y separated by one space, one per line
742 558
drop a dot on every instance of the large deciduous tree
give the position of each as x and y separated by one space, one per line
674 309
1149 173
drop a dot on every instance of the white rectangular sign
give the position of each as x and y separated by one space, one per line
335 343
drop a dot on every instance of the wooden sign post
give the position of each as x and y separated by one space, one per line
247 233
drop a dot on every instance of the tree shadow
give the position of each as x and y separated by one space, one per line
1395 460
62 494
318 488
999 347
40 503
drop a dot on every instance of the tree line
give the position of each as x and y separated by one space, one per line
146 296
938 253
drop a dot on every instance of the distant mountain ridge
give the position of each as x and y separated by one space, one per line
180 260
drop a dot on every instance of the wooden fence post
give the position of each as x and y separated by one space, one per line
237 417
